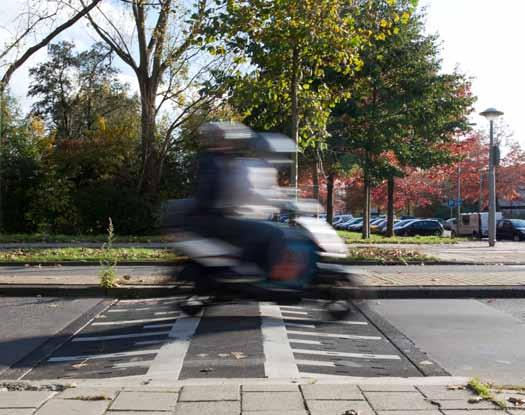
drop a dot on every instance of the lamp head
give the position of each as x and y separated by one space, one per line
491 114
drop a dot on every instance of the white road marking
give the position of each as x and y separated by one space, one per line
315 363
125 365
120 336
99 356
357 323
302 341
354 355
334 335
160 301
304 313
144 320
279 361
293 307
170 358
158 326
128 310
148 342
299 325
164 313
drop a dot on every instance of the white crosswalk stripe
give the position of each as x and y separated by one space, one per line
120 336
333 335
353 355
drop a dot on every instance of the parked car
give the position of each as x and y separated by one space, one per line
420 227
358 227
473 224
355 226
397 224
376 227
449 224
344 225
513 229
406 217
338 219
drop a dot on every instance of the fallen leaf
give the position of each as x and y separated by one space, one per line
516 401
206 370
80 365
456 387
239 355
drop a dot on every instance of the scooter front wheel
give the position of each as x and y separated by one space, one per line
338 309
192 306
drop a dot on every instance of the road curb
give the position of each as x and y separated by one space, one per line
352 293
182 261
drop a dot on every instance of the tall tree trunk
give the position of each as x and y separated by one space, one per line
366 209
295 115
330 198
149 183
315 176
390 208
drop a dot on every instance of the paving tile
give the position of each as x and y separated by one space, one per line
441 392
25 399
414 413
272 401
73 393
274 413
464 404
208 408
144 388
145 401
136 413
482 412
398 401
335 392
210 393
17 411
387 388
270 388
73 407
339 407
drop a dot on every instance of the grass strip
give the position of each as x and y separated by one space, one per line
88 255
58 238
356 238
96 255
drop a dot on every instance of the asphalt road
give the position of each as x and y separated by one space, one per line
466 337
153 339
28 322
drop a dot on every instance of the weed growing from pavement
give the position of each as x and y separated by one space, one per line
484 392
107 273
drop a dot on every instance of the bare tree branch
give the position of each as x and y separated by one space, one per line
44 42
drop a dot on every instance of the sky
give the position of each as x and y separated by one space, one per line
483 38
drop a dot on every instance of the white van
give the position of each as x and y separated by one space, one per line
474 224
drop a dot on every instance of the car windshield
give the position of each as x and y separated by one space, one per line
518 223
402 223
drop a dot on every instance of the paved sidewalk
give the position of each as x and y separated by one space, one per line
439 276
382 396
362 276
475 252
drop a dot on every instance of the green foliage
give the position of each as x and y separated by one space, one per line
292 47
403 110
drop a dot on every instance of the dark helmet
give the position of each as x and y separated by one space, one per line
228 135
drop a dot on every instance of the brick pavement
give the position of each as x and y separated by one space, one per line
255 399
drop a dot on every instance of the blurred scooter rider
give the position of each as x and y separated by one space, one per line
221 142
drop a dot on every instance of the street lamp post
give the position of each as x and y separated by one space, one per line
491 114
